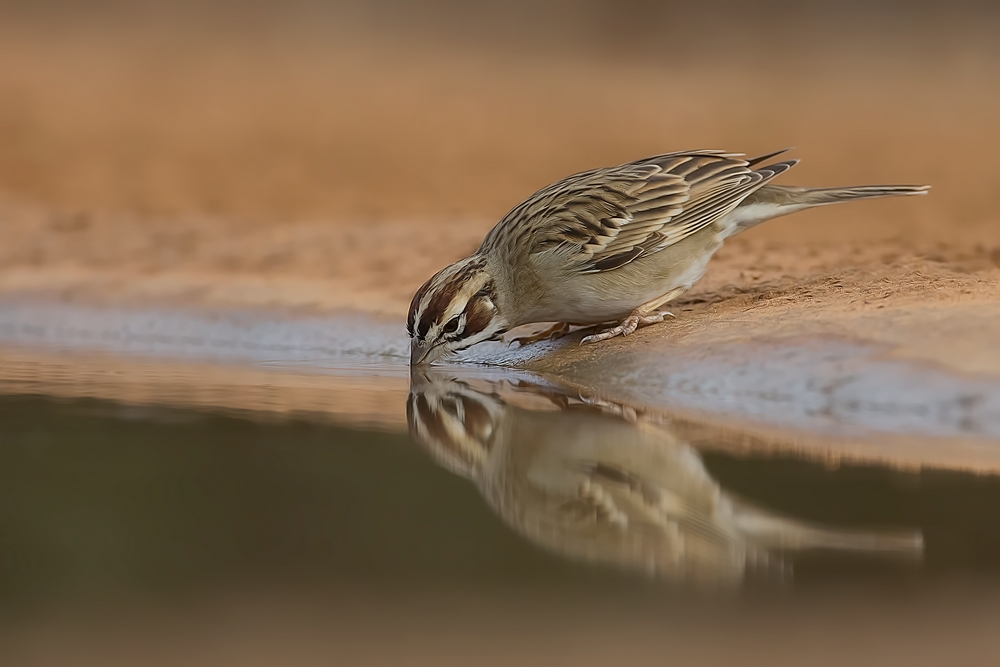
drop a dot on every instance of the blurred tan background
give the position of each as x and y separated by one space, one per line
327 155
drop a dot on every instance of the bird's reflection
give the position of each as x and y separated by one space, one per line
592 481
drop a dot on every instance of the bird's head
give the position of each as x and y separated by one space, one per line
454 421
453 310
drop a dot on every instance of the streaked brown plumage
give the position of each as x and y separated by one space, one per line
608 245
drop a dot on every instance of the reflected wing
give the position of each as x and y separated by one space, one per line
692 508
606 218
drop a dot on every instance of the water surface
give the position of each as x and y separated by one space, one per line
296 505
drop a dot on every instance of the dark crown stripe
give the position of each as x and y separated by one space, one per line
415 306
441 299
446 292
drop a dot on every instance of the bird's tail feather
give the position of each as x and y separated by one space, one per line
772 201
821 196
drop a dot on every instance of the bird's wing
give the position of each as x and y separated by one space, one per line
605 218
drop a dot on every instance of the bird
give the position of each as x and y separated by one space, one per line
609 246
591 481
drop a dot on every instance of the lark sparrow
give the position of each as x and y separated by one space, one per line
609 245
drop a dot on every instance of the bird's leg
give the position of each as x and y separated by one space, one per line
557 330
642 316
629 325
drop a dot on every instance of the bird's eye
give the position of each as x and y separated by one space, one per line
451 326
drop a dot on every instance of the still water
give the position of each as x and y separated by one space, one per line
501 513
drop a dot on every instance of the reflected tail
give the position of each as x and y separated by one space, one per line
773 532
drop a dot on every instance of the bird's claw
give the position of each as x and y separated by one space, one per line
628 326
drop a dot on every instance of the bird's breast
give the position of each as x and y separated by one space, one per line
590 298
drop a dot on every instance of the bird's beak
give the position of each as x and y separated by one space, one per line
417 352
422 354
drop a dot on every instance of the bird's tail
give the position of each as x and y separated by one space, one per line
772 201
821 196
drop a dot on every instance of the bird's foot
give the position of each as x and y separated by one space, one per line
557 330
628 325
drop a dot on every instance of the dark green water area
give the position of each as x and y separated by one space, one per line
98 498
